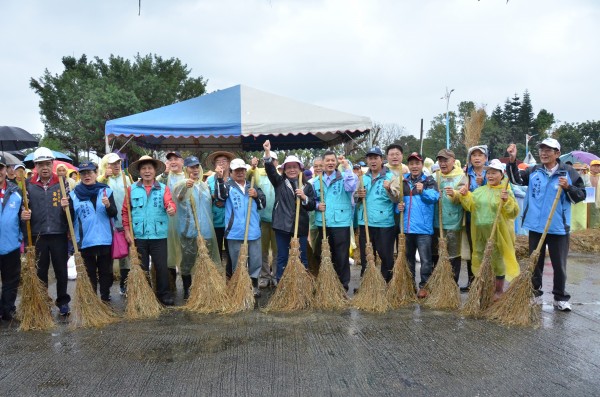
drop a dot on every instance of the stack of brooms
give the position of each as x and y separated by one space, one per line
401 289
371 295
208 293
89 310
515 307
141 299
481 293
329 292
34 311
239 289
443 292
295 289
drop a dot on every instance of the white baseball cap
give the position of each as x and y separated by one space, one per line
550 142
496 165
237 163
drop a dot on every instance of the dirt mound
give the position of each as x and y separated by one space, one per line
583 241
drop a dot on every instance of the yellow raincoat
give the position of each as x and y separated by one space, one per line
483 205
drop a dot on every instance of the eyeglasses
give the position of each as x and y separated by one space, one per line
546 150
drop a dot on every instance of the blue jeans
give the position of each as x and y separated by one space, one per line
254 255
421 242
283 247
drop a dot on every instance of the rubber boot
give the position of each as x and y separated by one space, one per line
173 280
187 282
122 282
499 289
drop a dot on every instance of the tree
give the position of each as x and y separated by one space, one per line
436 137
543 122
525 121
380 135
76 104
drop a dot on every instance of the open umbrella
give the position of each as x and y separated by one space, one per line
15 138
10 158
28 160
577 156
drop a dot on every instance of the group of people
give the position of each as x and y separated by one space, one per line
163 209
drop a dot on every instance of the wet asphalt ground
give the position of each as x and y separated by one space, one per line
413 351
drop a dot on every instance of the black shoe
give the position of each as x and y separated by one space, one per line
186 294
168 301
466 288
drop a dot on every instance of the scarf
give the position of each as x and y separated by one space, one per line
86 192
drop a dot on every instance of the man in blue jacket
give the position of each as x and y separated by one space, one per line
337 206
10 243
236 193
420 196
543 182
380 213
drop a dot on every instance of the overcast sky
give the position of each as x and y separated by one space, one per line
390 60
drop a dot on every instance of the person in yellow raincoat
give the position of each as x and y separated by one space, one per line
483 204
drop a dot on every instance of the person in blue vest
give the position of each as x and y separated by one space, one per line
380 212
420 194
92 205
236 193
220 160
151 205
543 182
10 243
337 206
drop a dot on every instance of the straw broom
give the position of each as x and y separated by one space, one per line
295 289
371 295
481 294
141 300
401 289
473 127
239 288
34 312
89 310
208 293
444 293
329 291
515 306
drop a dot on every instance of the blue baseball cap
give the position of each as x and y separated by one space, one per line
191 161
87 166
375 151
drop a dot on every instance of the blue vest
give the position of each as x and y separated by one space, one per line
92 226
10 224
338 203
148 214
380 209
236 207
218 212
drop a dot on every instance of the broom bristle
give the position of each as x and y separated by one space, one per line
444 293
141 300
88 308
401 289
371 295
295 289
515 306
239 290
329 292
473 127
356 252
208 293
481 293
34 311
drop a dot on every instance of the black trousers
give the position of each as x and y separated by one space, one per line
99 266
558 247
383 240
339 243
220 233
53 246
10 271
157 249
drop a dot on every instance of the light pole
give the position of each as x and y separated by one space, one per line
527 139
447 98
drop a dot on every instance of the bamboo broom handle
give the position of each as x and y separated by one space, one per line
439 178
297 207
549 221
401 180
127 199
250 209
499 210
69 220
365 216
26 204
193 205
323 201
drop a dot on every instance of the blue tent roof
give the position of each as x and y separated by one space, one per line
239 117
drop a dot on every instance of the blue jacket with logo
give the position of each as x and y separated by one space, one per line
236 209
92 220
419 209
148 214
541 192
10 219
380 208
338 200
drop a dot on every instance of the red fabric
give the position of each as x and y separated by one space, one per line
35 181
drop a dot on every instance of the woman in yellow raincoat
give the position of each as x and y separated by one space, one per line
483 205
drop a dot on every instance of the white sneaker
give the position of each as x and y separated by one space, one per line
563 306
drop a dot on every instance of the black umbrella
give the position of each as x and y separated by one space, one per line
15 138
